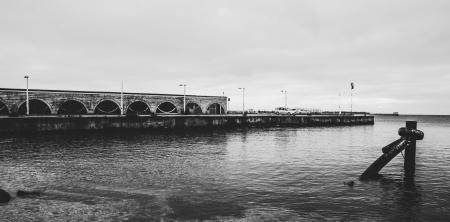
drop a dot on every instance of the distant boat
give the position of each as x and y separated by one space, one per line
395 114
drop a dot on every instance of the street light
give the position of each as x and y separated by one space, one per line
121 100
285 98
28 98
220 108
352 86
243 99
184 97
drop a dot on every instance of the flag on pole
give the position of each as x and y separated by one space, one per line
352 85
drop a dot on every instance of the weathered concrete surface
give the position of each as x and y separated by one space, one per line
14 98
55 123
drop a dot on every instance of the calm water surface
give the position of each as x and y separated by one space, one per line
276 174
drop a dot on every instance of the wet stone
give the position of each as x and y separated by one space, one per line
4 196
23 193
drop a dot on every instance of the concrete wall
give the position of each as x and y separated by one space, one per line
13 98
37 124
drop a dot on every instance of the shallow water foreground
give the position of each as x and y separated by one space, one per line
285 174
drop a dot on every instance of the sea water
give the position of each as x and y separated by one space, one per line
256 174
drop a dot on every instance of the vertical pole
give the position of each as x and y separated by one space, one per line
243 100
121 100
285 99
340 100
410 153
351 101
220 107
184 98
28 98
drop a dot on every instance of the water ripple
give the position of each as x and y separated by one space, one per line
276 174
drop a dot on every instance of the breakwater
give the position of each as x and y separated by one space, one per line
59 123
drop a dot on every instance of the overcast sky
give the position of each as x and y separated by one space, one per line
396 52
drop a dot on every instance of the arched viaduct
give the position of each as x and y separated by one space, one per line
62 102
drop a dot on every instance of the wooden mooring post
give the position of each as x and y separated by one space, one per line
408 136
410 153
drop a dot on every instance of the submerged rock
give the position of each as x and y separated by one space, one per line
4 196
23 193
350 183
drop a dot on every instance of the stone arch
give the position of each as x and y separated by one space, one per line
166 108
72 107
107 107
4 111
139 108
193 109
214 109
37 107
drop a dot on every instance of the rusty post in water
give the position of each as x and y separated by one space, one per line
410 153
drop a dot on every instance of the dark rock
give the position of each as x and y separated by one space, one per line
350 183
4 196
23 193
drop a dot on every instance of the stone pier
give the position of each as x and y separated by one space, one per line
170 122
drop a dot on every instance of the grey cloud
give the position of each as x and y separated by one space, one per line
313 49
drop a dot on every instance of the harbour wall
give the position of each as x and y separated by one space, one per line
61 123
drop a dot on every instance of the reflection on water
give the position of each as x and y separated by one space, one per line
244 174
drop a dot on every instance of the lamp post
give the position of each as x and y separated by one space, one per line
220 108
243 99
121 100
352 86
184 97
285 98
28 98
